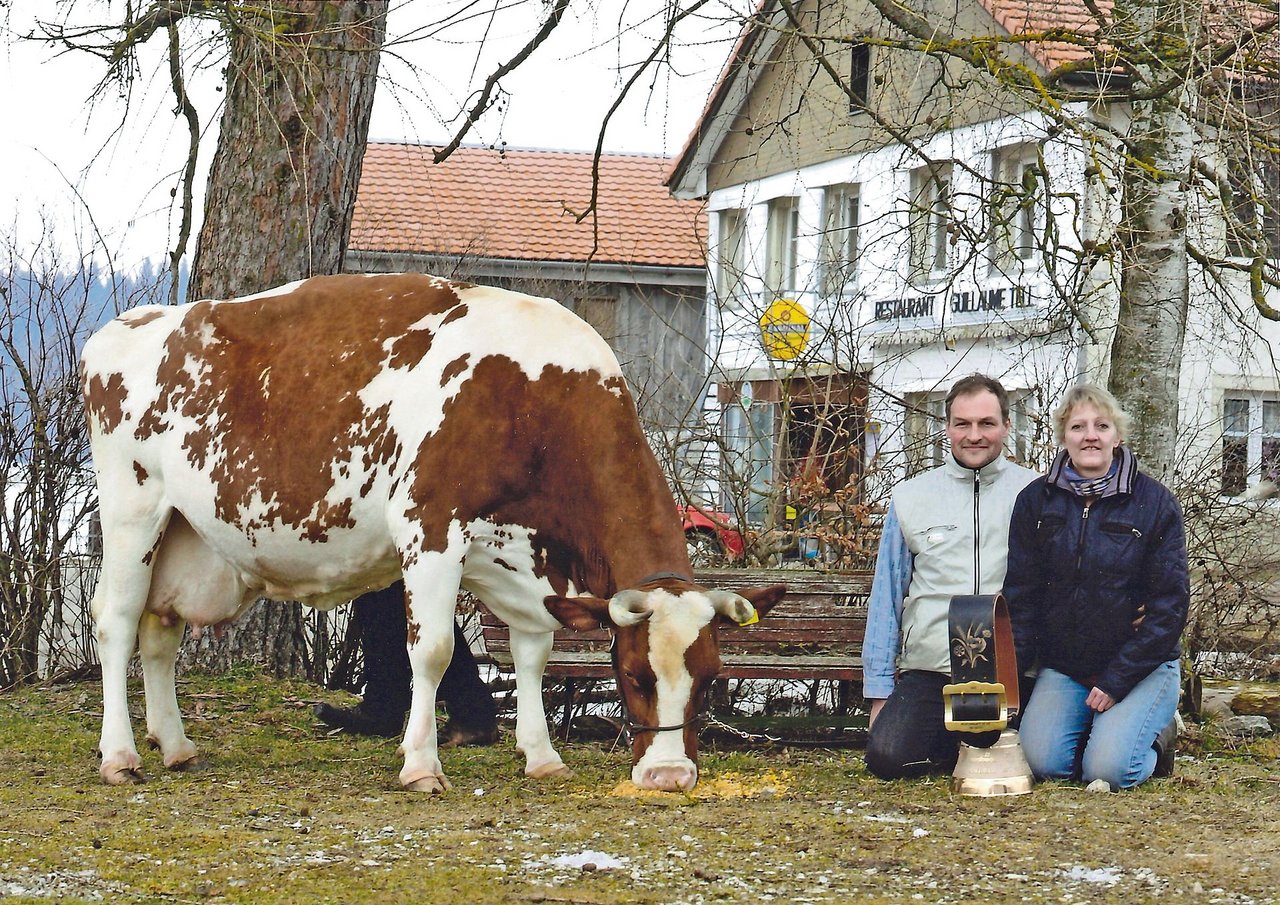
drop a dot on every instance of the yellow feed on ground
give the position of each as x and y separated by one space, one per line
731 784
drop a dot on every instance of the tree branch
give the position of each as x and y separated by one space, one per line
486 94
661 47
188 111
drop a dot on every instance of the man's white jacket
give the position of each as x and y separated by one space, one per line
952 526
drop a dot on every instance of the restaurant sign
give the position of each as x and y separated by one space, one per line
964 302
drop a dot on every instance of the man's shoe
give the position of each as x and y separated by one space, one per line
456 735
360 721
1166 746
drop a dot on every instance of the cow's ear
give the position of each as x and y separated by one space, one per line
583 614
764 599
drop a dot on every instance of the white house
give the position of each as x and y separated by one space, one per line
930 224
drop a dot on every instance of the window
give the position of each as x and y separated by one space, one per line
1250 442
926 434
840 212
1242 218
859 78
730 254
784 230
748 455
1235 445
1253 220
823 444
931 220
1017 209
1270 171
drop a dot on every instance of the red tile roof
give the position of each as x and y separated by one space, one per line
1227 20
521 205
1033 17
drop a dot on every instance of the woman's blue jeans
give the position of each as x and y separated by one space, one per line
1064 739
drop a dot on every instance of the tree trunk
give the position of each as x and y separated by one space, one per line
1146 354
282 189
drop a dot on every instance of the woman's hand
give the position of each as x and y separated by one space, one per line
1099 700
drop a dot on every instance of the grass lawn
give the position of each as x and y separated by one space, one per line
286 813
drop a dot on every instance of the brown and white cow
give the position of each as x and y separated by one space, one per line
322 439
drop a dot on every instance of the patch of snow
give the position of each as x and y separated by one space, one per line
1109 876
601 860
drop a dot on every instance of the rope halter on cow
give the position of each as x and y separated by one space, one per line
741 611
629 725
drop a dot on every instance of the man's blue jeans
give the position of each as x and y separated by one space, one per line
1064 739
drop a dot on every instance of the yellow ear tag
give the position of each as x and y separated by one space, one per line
752 619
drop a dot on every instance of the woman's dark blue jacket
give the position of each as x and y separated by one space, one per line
1078 579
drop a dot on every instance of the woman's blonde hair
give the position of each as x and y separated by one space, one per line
1100 399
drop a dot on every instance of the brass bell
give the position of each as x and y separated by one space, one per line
1001 769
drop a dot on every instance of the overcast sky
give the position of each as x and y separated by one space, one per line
93 169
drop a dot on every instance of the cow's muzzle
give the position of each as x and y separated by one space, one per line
673 776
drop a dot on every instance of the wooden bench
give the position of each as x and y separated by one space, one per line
814 633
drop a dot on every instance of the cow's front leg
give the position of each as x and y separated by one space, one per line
158 644
430 615
530 651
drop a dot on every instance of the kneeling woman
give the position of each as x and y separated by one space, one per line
1098 590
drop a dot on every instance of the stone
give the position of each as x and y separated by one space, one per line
1256 700
1216 701
1248 726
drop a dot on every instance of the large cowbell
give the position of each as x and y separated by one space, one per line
982 694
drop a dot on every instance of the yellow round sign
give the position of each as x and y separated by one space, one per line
784 327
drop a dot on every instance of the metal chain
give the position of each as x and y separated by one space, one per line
711 722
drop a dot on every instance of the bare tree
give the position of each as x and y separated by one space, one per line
1158 61
1172 110
47 309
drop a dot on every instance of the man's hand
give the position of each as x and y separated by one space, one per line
876 704
1099 700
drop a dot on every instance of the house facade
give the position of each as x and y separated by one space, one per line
925 225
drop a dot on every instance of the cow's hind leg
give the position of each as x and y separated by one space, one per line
158 643
187 577
130 544
430 599
530 651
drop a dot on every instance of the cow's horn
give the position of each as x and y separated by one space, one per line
629 607
733 606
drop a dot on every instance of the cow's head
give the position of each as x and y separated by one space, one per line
666 651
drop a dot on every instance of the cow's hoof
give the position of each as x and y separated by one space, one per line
193 764
549 771
178 755
432 785
122 776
